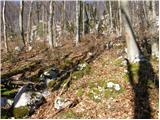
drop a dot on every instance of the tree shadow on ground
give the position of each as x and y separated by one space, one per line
141 81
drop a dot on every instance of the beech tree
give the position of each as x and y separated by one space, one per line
77 22
21 21
50 26
110 13
132 47
83 13
4 27
29 23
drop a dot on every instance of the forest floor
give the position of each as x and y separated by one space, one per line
94 99
109 103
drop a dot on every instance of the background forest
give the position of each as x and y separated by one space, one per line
80 59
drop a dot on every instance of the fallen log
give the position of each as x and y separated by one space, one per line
22 69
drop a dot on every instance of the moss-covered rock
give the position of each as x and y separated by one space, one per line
8 93
66 63
51 84
4 114
21 112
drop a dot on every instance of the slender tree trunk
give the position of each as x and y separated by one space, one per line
4 27
110 13
77 22
132 47
54 28
50 25
120 17
38 11
29 24
83 33
153 9
43 19
21 21
63 17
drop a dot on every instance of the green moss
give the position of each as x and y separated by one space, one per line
118 63
102 83
107 93
87 69
9 93
151 83
94 94
4 114
125 77
66 63
21 112
135 68
77 75
80 92
68 115
51 84
91 84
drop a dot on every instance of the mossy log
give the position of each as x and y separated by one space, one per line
21 69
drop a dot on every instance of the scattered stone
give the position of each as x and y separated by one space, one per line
28 99
113 85
45 93
126 71
61 103
49 75
10 102
29 48
18 49
81 66
110 84
117 87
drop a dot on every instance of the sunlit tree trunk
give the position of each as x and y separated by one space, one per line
110 13
120 17
4 27
29 24
43 19
63 17
77 22
50 25
21 21
83 32
153 9
132 47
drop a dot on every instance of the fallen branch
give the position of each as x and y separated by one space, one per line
22 69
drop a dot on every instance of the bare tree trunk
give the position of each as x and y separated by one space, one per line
21 21
50 25
77 22
132 47
110 13
4 27
120 17
153 9
43 19
29 24
83 32
63 17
